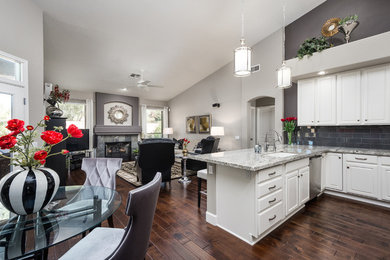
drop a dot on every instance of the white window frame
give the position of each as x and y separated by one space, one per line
23 83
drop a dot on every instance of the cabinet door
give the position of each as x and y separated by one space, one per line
348 98
375 95
385 180
333 166
306 101
362 179
304 185
326 101
292 194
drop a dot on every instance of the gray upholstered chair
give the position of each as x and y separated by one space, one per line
99 172
130 243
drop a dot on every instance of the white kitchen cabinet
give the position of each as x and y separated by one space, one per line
304 185
292 191
325 109
362 179
376 95
297 185
306 102
333 170
348 98
385 177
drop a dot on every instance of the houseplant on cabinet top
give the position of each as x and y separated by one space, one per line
31 186
289 127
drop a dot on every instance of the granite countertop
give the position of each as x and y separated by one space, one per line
247 159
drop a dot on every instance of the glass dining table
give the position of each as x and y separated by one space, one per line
74 210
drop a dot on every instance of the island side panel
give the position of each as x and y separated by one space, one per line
211 213
235 201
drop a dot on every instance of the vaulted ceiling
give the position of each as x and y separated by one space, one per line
93 45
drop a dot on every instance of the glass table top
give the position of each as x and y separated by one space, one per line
73 210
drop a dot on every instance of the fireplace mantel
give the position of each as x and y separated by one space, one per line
117 130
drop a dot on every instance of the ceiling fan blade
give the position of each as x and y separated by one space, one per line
155 86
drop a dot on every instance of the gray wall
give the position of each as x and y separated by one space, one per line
234 95
21 27
221 87
374 19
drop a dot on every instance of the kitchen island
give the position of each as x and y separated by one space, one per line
250 194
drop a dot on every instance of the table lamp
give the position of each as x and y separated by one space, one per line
168 131
217 131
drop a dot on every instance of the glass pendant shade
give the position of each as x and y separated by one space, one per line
242 60
284 77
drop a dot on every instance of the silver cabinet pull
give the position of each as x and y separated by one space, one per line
270 201
361 159
273 187
272 218
272 173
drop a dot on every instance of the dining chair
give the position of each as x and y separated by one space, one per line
99 172
129 243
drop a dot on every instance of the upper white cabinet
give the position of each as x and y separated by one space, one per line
348 98
306 101
326 101
353 98
375 95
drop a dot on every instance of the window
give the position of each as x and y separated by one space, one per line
75 112
154 122
10 69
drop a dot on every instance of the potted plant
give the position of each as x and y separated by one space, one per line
185 143
310 46
289 126
31 186
347 25
56 96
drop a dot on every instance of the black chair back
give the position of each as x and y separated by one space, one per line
141 206
156 155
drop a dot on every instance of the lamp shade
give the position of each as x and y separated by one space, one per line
284 77
168 131
217 131
242 60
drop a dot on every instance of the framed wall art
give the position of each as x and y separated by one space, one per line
204 124
191 124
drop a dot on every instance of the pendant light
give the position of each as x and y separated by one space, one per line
284 72
243 54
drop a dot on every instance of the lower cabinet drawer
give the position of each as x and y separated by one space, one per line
269 186
270 217
269 200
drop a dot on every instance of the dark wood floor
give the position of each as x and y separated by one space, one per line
328 228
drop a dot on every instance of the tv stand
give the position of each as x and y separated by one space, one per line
75 159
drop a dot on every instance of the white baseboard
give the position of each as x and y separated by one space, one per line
211 218
361 199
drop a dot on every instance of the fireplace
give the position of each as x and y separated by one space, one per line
118 150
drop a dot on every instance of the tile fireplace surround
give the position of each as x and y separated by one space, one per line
101 140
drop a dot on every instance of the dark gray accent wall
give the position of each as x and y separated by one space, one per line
101 129
374 19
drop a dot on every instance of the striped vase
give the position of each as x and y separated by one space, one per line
28 191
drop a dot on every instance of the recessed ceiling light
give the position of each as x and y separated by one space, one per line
124 89
321 72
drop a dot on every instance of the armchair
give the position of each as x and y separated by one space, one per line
156 155
207 145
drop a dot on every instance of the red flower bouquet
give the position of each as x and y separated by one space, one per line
20 142
289 126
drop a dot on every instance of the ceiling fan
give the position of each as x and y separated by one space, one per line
141 82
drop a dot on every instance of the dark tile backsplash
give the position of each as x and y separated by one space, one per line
347 136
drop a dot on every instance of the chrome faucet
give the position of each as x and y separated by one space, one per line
278 136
